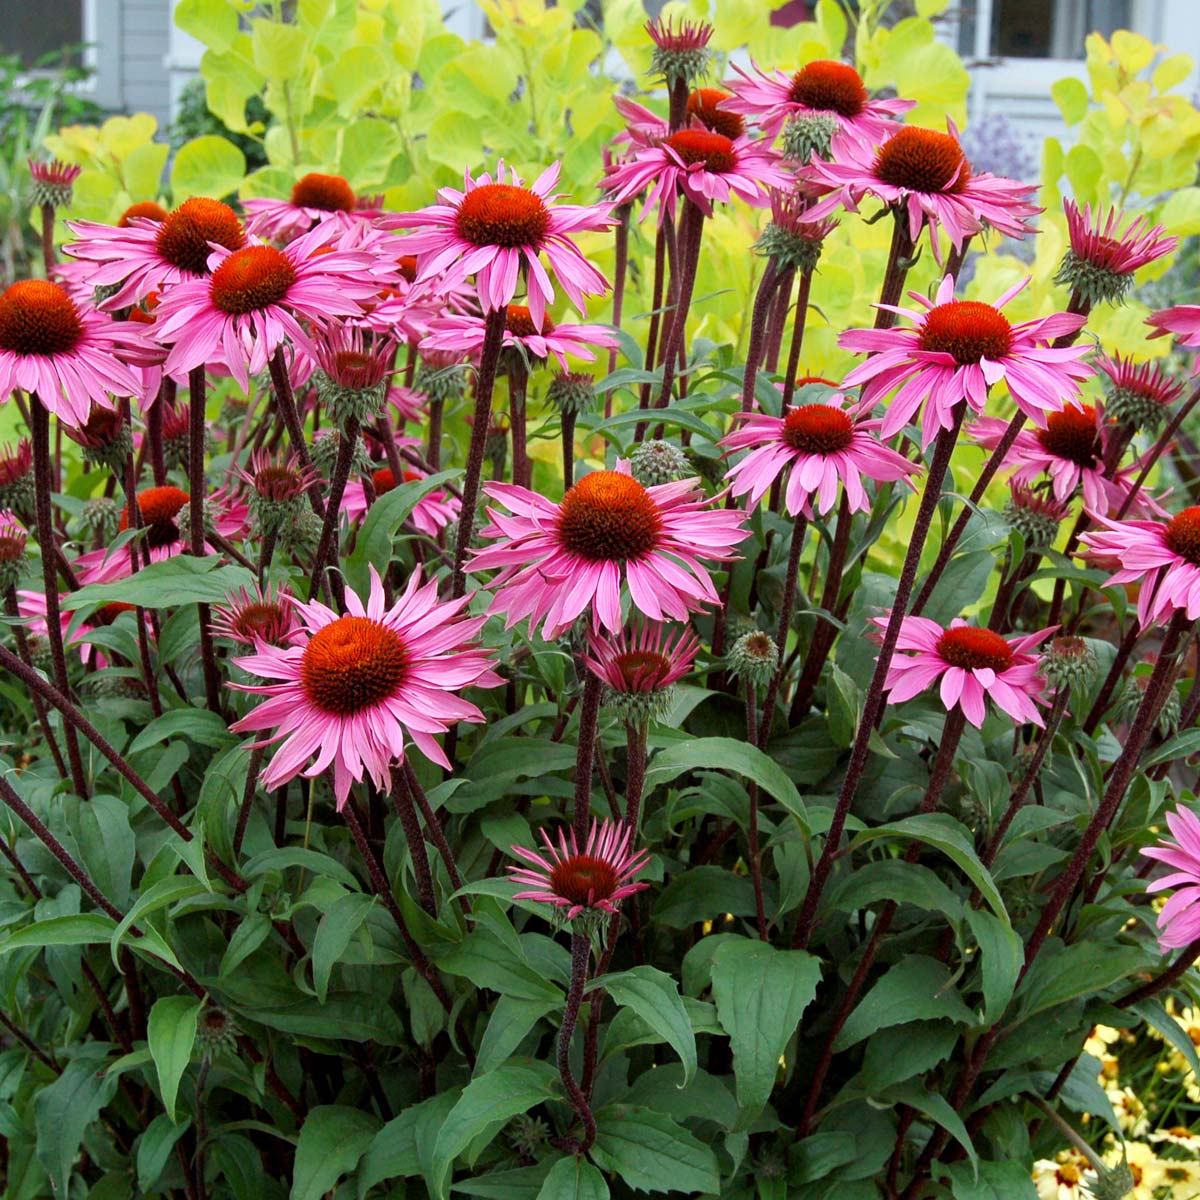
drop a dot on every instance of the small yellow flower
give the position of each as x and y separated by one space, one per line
1131 1112
1061 1178
1142 1166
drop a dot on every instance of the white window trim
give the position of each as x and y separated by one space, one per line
101 55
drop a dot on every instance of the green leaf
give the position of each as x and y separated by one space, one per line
1072 99
200 724
213 22
207 166
171 1033
952 839
917 988
154 1148
332 1140
377 536
652 1153
493 1098
247 938
1082 1093
654 996
938 1110
573 1179
905 1051
1154 1014
490 963
64 1109
730 755
84 929
159 895
321 865
396 1149
996 1181
1061 973
280 50
701 893
179 580
761 993
333 935
1003 957
507 1027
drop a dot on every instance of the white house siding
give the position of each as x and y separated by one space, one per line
145 34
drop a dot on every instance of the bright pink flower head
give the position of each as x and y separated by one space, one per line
1137 394
822 88
596 878
925 174
557 559
955 351
147 254
32 605
1179 920
1162 556
641 666
705 166
465 334
1070 450
67 352
1183 321
971 665
315 198
493 229
351 688
252 302
821 445
264 615
1100 263
53 182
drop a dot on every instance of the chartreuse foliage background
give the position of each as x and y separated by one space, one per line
382 93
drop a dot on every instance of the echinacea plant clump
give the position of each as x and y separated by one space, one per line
526 688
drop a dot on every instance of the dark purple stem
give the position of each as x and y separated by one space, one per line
485 383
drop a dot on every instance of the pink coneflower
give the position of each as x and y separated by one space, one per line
680 54
16 476
706 167
1070 451
925 174
1101 261
1163 556
1138 394
160 509
264 615
557 559
276 487
53 182
822 445
433 512
145 255
465 334
1034 515
249 305
1179 920
70 354
493 229
1183 321
956 350
639 667
818 89
353 687
315 198
972 664
596 878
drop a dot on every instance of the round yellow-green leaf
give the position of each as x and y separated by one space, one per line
207 166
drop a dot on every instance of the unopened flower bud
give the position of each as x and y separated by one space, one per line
754 658
656 462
